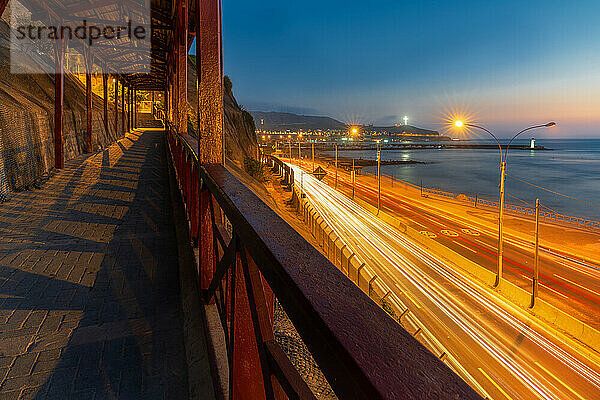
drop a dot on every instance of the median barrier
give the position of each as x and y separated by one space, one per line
377 290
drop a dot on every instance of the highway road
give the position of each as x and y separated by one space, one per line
571 285
496 347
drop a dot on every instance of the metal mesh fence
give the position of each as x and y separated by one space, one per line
27 128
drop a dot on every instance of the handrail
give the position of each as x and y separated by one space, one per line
248 253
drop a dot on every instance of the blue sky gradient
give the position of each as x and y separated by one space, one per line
507 63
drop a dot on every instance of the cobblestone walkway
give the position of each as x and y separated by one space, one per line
89 287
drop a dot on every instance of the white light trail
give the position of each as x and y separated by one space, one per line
372 239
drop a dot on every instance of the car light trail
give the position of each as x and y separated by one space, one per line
372 239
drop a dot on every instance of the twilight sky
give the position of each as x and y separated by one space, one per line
507 63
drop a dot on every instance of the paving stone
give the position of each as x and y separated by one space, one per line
93 252
22 365
35 318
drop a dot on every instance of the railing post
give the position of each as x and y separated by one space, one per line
207 256
116 107
209 71
250 305
59 103
105 100
123 109
181 69
88 107
195 200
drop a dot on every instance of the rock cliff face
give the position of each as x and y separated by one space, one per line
240 132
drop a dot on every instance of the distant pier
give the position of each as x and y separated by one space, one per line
424 146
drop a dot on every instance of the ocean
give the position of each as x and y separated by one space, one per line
571 168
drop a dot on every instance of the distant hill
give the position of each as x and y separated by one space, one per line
284 121
402 129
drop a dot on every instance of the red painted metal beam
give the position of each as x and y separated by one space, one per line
59 103
135 93
182 53
88 111
3 4
129 108
210 86
247 370
116 107
105 101
123 108
89 62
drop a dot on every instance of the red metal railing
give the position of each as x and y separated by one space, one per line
248 256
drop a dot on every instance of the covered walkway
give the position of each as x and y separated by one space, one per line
89 285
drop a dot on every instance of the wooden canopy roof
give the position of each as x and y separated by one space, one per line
105 53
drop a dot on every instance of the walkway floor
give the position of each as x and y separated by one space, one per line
89 286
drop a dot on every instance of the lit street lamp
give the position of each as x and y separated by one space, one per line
313 156
378 178
336 166
353 176
503 155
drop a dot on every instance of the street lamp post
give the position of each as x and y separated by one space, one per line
378 178
336 166
536 262
353 178
313 156
503 156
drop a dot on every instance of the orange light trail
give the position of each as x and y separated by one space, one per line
480 314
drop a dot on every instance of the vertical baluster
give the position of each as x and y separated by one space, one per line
189 187
248 382
194 216
186 197
207 250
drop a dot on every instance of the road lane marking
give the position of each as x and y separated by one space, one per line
495 384
577 284
555 291
471 232
430 235
462 245
529 278
585 272
558 380
448 232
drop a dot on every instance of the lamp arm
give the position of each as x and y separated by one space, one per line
492 135
514 137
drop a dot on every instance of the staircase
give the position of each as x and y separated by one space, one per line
147 120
